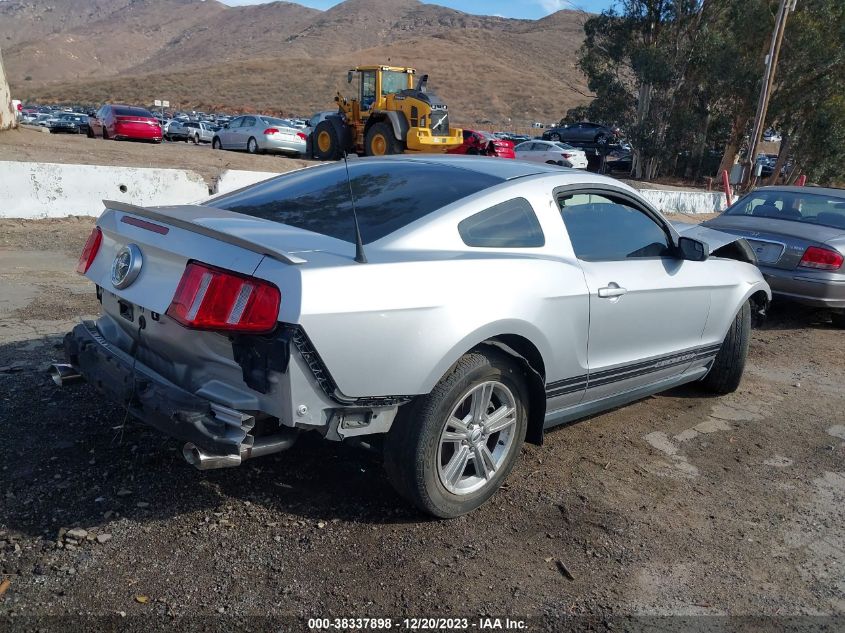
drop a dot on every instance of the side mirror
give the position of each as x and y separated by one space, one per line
692 250
349 77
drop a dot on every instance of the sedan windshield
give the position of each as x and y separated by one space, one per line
811 208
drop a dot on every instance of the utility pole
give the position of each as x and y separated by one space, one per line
8 118
786 6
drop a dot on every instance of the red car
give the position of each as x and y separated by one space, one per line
484 144
124 122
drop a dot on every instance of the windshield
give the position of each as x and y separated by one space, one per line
393 82
811 208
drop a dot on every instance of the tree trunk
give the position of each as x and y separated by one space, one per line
643 106
731 149
8 119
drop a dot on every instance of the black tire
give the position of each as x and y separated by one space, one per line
90 133
105 133
554 136
726 372
380 140
252 146
196 139
411 448
216 144
325 143
472 152
838 319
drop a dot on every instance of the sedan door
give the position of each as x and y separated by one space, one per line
243 133
227 135
648 307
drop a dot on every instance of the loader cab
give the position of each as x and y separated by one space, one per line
375 83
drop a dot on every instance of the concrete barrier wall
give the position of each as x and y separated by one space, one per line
50 190
233 179
46 190
690 202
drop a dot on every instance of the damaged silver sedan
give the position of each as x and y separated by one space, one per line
445 309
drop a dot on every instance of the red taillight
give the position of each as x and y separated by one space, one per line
567 155
210 298
271 130
821 258
89 251
302 136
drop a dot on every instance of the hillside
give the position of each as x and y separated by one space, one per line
283 57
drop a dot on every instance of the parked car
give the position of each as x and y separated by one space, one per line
584 133
69 123
483 144
552 153
798 235
43 117
259 134
229 324
516 139
121 122
619 161
176 130
200 132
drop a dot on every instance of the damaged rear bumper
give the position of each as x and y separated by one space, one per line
154 400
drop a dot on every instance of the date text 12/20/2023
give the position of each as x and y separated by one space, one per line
418 624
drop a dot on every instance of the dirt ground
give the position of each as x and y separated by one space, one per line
679 505
29 144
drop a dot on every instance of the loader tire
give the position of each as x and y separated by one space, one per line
325 142
380 140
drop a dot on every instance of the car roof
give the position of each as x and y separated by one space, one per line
823 191
506 169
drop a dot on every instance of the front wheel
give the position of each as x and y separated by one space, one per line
215 143
554 137
726 372
838 319
450 450
380 140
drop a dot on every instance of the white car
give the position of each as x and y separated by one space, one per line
551 152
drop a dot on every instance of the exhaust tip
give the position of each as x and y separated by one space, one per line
201 460
63 374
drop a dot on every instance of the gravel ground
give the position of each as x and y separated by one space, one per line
678 505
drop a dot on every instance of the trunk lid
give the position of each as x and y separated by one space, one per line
777 243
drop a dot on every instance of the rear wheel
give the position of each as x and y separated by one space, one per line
215 143
325 142
838 319
90 132
450 450
105 133
252 146
554 136
380 140
196 139
726 372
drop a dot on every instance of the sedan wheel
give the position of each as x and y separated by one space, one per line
450 450
477 438
252 146
215 143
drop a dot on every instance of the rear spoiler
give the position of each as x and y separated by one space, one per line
173 219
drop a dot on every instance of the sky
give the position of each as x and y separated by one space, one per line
527 9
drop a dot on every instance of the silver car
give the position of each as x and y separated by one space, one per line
484 302
259 134
798 234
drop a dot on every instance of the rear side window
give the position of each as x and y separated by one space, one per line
511 224
388 196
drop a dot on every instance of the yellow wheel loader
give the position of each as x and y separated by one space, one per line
389 115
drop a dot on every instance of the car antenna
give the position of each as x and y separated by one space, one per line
360 257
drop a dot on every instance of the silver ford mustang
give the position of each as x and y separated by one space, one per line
484 302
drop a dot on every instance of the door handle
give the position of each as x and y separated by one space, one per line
612 290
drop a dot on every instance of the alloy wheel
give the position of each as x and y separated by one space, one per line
477 438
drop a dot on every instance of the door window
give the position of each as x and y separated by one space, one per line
249 121
368 89
603 228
